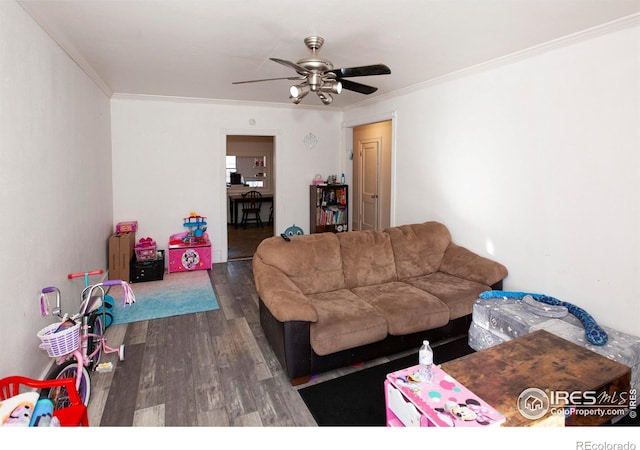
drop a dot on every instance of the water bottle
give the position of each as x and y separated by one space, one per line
342 179
425 360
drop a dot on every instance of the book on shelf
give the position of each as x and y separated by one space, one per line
329 208
331 216
337 196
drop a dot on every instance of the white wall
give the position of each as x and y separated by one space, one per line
535 163
169 159
55 183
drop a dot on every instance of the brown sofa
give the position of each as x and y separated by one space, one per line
329 300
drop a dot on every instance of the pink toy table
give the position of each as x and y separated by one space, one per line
442 403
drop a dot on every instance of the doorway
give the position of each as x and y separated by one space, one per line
372 145
243 242
249 166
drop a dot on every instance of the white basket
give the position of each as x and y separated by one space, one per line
61 343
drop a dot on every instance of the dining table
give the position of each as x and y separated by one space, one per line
235 200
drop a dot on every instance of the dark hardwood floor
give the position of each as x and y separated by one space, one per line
207 369
242 242
211 368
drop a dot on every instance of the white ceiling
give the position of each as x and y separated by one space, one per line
197 49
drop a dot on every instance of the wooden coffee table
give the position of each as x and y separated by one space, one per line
550 364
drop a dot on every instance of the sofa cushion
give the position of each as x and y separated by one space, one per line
313 261
283 298
418 249
344 321
407 309
463 263
367 258
457 293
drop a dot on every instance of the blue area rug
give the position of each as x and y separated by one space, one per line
178 293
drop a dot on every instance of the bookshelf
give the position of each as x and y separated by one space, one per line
329 208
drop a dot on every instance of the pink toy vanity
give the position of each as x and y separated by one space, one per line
442 403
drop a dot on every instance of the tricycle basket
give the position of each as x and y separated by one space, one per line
59 341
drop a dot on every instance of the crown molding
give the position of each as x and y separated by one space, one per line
564 41
213 101
69 49
583 35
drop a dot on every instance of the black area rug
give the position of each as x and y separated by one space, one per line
357 399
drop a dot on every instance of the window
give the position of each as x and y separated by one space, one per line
252 170
231 167
250 157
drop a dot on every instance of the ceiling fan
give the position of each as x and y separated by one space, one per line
317 75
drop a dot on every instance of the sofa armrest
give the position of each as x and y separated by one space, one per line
281 296
463 263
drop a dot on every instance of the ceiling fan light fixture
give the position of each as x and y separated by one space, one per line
331 86
298 92
325 97
316 74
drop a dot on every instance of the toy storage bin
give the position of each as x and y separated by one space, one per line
152 270
145 250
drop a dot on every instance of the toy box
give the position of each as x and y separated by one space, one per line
127 227
190 250
444 402
186 257
145 249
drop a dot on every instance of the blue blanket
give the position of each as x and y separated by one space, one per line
593 332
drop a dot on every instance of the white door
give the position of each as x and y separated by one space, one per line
372 176
369 199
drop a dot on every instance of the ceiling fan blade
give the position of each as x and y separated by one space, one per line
294 66
363 71
358 87
268 79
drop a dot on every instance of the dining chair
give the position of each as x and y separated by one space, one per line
251 205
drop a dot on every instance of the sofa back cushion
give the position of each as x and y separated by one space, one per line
313 261
418 248
367 258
